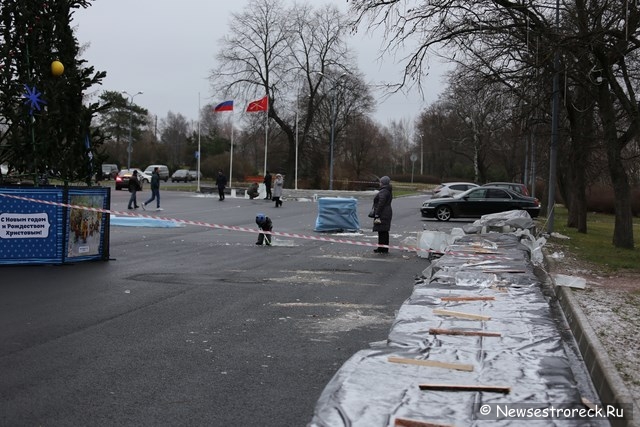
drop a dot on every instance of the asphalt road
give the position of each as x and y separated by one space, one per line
195 326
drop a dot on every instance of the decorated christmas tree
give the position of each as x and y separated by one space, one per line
45 127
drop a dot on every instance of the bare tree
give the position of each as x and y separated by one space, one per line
286 54
484 109
401 133
602 35
174 134
439 128
359 149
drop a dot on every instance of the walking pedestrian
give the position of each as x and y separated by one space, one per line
134 187
221 182
382 214
155 189
267 185
277 190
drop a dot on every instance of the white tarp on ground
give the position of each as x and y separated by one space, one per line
529 356
502 222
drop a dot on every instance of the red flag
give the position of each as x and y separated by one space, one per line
259 105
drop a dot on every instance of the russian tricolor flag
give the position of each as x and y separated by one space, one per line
223 106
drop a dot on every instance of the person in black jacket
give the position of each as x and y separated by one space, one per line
267 185
252 191
134 187
221 182
382 214
265 224
155 189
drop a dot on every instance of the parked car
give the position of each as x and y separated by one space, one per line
163 171
194 174
142 176
109 171
477 202
513 186
450 189
122 180
182 175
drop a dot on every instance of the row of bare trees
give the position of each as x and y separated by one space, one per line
299 58
582 55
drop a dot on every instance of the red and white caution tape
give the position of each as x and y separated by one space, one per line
249 230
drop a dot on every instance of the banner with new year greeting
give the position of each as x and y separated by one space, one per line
41 231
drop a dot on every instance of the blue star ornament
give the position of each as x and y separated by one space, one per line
32 97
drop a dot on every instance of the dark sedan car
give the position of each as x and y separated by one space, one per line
182 175
513 186
122 180
477 202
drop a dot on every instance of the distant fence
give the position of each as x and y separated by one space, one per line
254 178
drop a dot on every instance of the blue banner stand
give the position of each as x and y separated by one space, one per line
42 231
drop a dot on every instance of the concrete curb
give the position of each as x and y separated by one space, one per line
605 377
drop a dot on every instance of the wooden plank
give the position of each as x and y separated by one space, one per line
439 331
467 298
407 422
432 363
504 271
460 314
466 387
589 404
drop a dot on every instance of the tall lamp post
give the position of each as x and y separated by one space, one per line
130 124
332 123
421 153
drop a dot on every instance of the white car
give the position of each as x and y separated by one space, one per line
143 177
163 171
450 189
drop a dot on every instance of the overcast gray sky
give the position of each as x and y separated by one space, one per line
166 49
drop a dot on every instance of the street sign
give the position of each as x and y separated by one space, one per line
413 158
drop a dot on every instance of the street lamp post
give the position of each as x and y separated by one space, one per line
130 124
421 153
332 137
332 123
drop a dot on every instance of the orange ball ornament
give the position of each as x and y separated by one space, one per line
57 68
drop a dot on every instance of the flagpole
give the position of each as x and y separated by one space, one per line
296 177
231 155
199 120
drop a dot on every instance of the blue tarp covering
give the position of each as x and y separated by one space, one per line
127 221
337 214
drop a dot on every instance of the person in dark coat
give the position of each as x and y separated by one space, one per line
252 191
134 187
265 224
221 182
382 214
155 189
267 185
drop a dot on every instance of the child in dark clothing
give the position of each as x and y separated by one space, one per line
265 224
